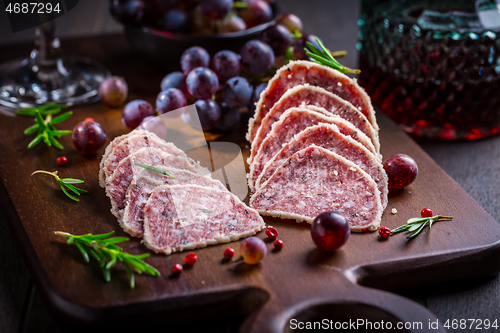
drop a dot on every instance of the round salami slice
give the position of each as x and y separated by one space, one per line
182 217
328 137
301 72
144 184
315 180
290 123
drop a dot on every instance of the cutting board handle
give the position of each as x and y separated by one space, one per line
365 306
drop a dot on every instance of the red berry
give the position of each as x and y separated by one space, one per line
330 230
228 253
190 258
426 212
89 119
384 232
176 269
401 171
62 160
278 244
272 233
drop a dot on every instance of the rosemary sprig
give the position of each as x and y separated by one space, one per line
417 224
66 183
45 110
325 57
240 4
104 250
152 168
46 131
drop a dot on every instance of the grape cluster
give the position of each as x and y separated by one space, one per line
193 16
227 84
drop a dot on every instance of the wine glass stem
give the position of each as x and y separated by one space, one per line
47 48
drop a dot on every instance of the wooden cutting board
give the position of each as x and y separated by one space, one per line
298 282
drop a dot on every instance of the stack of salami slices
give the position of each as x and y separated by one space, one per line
185 210
315 148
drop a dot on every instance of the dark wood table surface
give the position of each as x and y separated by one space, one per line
474 165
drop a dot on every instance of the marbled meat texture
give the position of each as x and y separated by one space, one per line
328 137
144 184
182 217
307 94
118 183
301 72
109 149
136 142
315 180
290 123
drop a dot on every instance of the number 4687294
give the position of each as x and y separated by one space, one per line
32 8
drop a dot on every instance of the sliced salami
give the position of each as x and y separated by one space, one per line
132 144
328 137
316 180
290 123
118 183
302 72
144 184
182 217
310 95
109 149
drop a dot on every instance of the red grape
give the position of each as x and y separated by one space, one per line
202 83
256 12
216 9
175 80
113 91
127 11
194 57
401 170
278 37
226 64
258 90
330 231
171 101
135 111
208 113
154 124
290 21
230 117
252 250
232 24
176 21
237 92
257 57
88 137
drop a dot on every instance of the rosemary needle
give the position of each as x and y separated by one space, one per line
152 168
66 184
325 57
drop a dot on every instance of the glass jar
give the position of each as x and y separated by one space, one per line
433 66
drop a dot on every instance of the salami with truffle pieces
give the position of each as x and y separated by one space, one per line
144 184
315 180
328 137
302 72
118 183
290 123
309 95
182 217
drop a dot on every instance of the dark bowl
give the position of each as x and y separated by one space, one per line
165 48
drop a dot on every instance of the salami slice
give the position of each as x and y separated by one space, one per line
316 180
182 217
132 144
328 137
109 149
306 94
143 185
301 72
290 123
118 183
